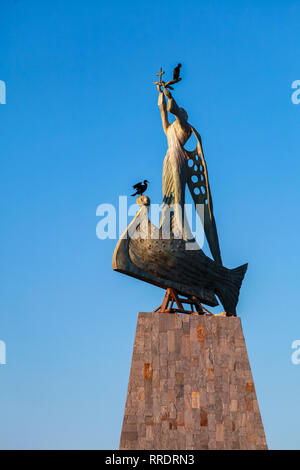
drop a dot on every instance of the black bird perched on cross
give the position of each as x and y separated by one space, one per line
176 72
140 187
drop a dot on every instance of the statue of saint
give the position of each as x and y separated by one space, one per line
164 260
177 174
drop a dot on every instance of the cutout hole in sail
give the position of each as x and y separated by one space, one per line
191 144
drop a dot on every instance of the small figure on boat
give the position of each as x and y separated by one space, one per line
140 188
160 255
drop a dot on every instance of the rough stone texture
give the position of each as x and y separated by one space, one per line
190 386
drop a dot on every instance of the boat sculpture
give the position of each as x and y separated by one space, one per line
162 255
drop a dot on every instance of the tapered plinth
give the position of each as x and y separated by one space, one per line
190 386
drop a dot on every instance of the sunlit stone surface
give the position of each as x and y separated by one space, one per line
191 386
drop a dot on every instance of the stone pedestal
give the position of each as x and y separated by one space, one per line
190 386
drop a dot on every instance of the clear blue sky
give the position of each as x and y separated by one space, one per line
80 126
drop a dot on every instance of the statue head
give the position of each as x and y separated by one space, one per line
184 114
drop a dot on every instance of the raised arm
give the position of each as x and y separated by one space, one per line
173 108
163 109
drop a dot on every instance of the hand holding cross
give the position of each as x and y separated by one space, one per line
161 83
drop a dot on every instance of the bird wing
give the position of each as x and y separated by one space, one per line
137 186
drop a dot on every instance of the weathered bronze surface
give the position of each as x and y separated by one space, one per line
166 261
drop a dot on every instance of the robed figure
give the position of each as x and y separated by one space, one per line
160 255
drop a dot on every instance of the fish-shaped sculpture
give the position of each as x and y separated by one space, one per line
146 253
167 263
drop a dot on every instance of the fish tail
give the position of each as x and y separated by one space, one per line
229 288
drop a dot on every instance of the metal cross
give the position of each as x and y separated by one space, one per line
159 74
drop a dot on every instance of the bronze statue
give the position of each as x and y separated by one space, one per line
164 260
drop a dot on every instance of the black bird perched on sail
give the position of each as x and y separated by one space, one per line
176 72
140 188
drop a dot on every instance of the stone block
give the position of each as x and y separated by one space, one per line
190 386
